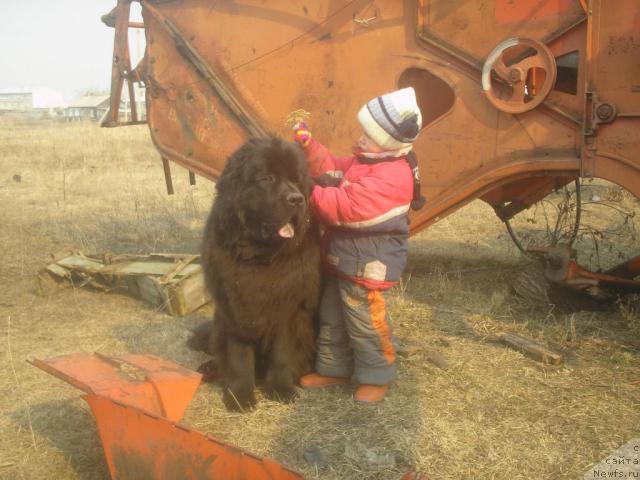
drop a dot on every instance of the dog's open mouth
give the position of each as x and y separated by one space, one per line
288 230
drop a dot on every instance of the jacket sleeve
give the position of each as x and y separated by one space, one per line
371 197
322 162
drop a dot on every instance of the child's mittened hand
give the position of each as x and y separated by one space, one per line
301 134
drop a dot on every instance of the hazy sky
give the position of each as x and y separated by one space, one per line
60 44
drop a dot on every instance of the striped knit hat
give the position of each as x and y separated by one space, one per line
392 120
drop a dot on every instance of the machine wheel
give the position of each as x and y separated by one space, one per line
518 75
552 221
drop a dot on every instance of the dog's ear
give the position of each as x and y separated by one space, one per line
232 173
227 223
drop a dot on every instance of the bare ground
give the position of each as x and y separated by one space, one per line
493 414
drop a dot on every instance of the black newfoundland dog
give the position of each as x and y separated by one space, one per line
262 265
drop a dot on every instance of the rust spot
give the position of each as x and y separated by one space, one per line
131 464
623 44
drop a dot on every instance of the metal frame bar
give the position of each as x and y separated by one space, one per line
121 69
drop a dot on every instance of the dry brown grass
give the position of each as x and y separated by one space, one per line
492 414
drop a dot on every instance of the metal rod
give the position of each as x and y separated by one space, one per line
167 175
121 62
192 178
562 30
450 52
576 225
562 113
515 238
132 99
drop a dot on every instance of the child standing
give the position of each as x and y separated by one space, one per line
364 202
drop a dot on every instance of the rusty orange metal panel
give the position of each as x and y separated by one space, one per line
174 385
508 11
527 192
475 27
219 73
613 94
150 383
139 445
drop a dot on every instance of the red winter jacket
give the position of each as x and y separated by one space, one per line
366 214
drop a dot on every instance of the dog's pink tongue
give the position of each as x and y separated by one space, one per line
287 231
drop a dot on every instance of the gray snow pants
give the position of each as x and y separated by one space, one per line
355 334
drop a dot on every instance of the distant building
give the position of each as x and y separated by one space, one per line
125 104
87 107
141 108
94 107
31 101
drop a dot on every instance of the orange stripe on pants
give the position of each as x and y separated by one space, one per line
378 311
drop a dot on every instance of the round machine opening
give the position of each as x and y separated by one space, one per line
435 97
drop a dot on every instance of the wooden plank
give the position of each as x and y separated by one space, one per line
531 348
188 294
435 357
80 262
58 271
151 292
178 268
148 268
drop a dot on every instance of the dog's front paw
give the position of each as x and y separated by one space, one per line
281 393
238 401
210 371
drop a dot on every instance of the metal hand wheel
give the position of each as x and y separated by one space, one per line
518 75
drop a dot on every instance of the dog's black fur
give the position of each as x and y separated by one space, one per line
265 283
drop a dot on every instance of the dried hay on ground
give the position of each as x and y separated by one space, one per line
492 414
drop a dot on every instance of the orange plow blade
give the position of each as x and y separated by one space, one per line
136 401
139 445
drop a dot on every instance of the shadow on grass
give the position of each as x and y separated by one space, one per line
120 233
167 338
352 440
452 280
457 282
71 430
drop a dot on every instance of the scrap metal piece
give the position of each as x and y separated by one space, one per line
628 269
139 445
136 401
147 382
562 268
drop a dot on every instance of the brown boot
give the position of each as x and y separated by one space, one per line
315 380
370 393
